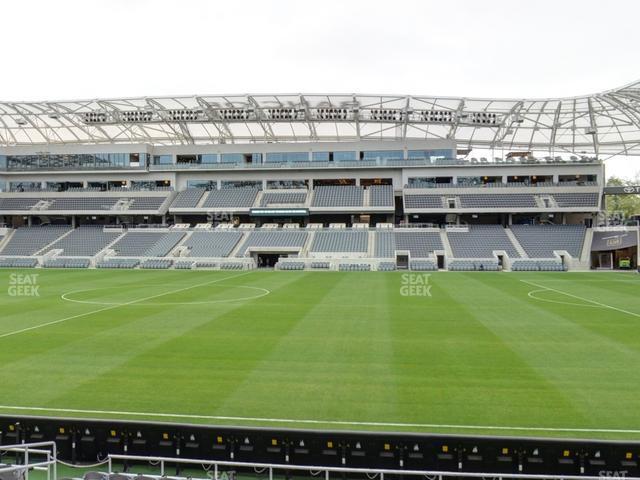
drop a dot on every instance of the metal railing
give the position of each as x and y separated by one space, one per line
25 452
370 473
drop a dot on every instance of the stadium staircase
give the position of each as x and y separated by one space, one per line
516 243
6 238
258 201
585 256
180 249
366 197
238 247
304 252
310 196
371 249
448 252
203 199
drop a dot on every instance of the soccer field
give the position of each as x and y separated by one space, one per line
549 354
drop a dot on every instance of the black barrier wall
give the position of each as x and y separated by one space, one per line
85 441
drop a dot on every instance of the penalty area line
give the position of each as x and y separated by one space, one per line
319 422
112 307
603 305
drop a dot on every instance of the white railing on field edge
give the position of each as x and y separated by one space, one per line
31 452
371 473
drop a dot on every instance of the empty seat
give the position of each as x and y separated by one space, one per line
30 240
340 241
480 241
338 196
277 239
540 241
212 244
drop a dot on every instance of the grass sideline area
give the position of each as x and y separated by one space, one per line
542 354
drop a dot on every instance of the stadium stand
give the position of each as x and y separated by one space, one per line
509 200
18 262
188 198
277 239
118 263
283 198
231 198
67 263
30 240
423 201
338 196
540 241
480 241
147 244
212 244
420 244
385 244
381 196
153 264
576 199
83 242
340 241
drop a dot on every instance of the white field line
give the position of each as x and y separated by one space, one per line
603 305
318 422
111 307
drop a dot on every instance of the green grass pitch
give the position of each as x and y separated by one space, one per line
549 354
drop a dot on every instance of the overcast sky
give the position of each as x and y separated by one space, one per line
68 49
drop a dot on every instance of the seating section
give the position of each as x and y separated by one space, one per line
419 244
487 265
321 265
385 244
147 244
30 240
156 264
510 200
423 201
183 265
84 242
386 267
480 242
423 266
277 239
118 263
381 196
340 241
188 198
354 267
18 262
338 196
539 241
67 263
17 203
147 203
84 203
212 244
231 198
576 199
529 265
283 198
290 265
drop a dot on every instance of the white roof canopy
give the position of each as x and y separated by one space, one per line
603 123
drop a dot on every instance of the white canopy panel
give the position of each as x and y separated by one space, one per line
603 123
